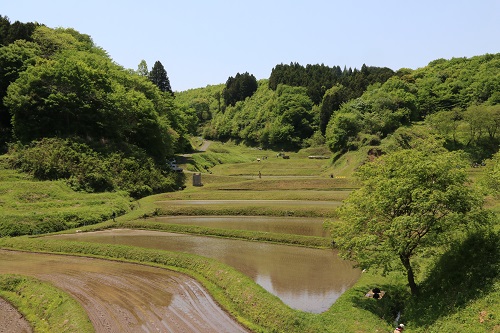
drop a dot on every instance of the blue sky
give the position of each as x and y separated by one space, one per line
204 42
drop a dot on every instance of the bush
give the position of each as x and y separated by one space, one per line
86 169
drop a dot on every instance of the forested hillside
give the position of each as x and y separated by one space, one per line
61 91
348 109
77 115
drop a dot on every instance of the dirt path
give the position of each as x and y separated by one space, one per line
122 297
11 321
205 145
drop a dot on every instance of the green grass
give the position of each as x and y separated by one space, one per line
35 207
461 288
45 307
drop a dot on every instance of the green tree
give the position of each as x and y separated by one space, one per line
294 114
159 77
62 97
332 100
446 123
342 131
239 87
491 178
14 59
409 201
493 123
477 118
142 68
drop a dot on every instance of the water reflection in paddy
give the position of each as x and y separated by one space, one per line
290 225
305 279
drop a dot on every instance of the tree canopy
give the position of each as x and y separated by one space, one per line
319 78
10 32
239 87
61 91
354 108
409 201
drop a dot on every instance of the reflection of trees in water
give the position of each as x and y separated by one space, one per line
293 271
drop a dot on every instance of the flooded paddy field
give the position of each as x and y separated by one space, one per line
260 203
307 226
306 279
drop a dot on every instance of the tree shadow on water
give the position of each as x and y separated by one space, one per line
466 272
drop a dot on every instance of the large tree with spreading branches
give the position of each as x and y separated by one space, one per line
409 201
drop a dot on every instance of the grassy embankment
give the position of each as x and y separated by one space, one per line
45 307
458 297
32 207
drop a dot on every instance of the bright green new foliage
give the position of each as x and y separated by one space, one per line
409 201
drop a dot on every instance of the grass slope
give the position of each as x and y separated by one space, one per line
46 308
460 288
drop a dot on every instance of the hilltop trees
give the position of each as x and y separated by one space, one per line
73 89
77 94
158 75
319 78
142 68
409 201
10 32
239 87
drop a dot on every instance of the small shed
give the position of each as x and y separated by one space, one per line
197 179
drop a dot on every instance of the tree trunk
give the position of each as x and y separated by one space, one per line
409 272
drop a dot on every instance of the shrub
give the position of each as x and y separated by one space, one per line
86 169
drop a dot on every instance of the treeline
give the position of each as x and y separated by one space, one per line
462 92
359 108
56 83
297 109
10 32
319 78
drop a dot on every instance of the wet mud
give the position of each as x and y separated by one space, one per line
305 279
122 297
11 320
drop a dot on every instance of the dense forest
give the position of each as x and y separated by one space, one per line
59 90
68 111
457 99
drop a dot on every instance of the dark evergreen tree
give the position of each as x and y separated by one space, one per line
158 76
239 87
10 32
4 29
319 78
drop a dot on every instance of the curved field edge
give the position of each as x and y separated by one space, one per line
238 294
47 308
260 236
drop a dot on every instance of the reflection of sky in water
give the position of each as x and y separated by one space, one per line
302 299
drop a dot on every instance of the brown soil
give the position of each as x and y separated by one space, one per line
11 320
122 297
